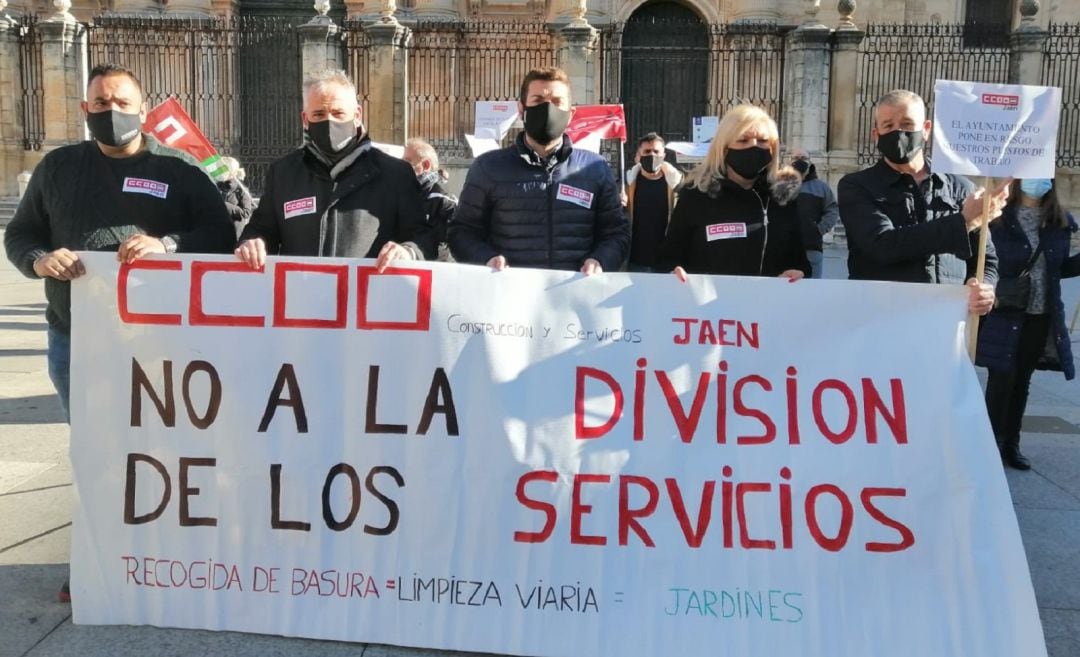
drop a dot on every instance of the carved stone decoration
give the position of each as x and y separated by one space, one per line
386 12
322 7
846 8
63 8
1028 11
812 9
577 14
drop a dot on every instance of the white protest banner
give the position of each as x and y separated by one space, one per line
538 463
995 130
703 128
480 145
494 118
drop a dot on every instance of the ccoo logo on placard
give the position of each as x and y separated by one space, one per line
1007 102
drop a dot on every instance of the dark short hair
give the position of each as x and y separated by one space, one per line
105 70
651 136
546 74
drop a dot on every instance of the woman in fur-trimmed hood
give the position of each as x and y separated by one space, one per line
736 213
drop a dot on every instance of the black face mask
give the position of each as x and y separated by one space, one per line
651 162
331 137
748 162
545 123
899 146
113 128
802 166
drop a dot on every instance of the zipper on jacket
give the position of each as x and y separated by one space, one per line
765 227
551 216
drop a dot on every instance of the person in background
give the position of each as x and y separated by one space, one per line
818 211
438 203
650 199
1032 238
237 197
736 214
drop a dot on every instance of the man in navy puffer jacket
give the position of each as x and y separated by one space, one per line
541 202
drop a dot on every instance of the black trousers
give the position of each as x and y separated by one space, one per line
1007 390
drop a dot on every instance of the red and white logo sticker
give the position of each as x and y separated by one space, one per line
1004 100
575 196
299 207
715 232
144 186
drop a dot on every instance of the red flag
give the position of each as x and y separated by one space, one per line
606 120
172 126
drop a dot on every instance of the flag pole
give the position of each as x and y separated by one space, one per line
980 268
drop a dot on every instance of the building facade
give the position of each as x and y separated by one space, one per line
422 64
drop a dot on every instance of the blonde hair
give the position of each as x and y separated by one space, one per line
738 121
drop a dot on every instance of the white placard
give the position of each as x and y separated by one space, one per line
687 148
995 130
494 118
480 145
703 128
537 462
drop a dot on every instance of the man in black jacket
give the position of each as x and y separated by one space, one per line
905 223
337 196
439 204
122 191
541 202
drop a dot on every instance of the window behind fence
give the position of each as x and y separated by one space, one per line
1061 68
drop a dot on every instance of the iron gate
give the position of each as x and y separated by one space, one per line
239 79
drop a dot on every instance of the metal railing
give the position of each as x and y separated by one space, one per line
1061 68
31 79
453 64
239 79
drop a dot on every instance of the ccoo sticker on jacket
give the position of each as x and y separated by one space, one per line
732 231
144 186
299 207
574 195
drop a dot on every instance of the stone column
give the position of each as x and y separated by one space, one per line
577 56
320 45
756 10
11 124
844 124
63 58
1026 47
807 88
388 66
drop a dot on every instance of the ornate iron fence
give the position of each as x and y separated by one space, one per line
454 64
1061 68
913 57
30 77
239 79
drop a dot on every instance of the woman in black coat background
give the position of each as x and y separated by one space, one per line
1013 343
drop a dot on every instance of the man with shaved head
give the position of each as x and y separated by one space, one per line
336 195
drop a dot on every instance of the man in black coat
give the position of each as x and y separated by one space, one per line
337 196
905 223
541 202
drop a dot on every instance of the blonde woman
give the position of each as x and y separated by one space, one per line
736 214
